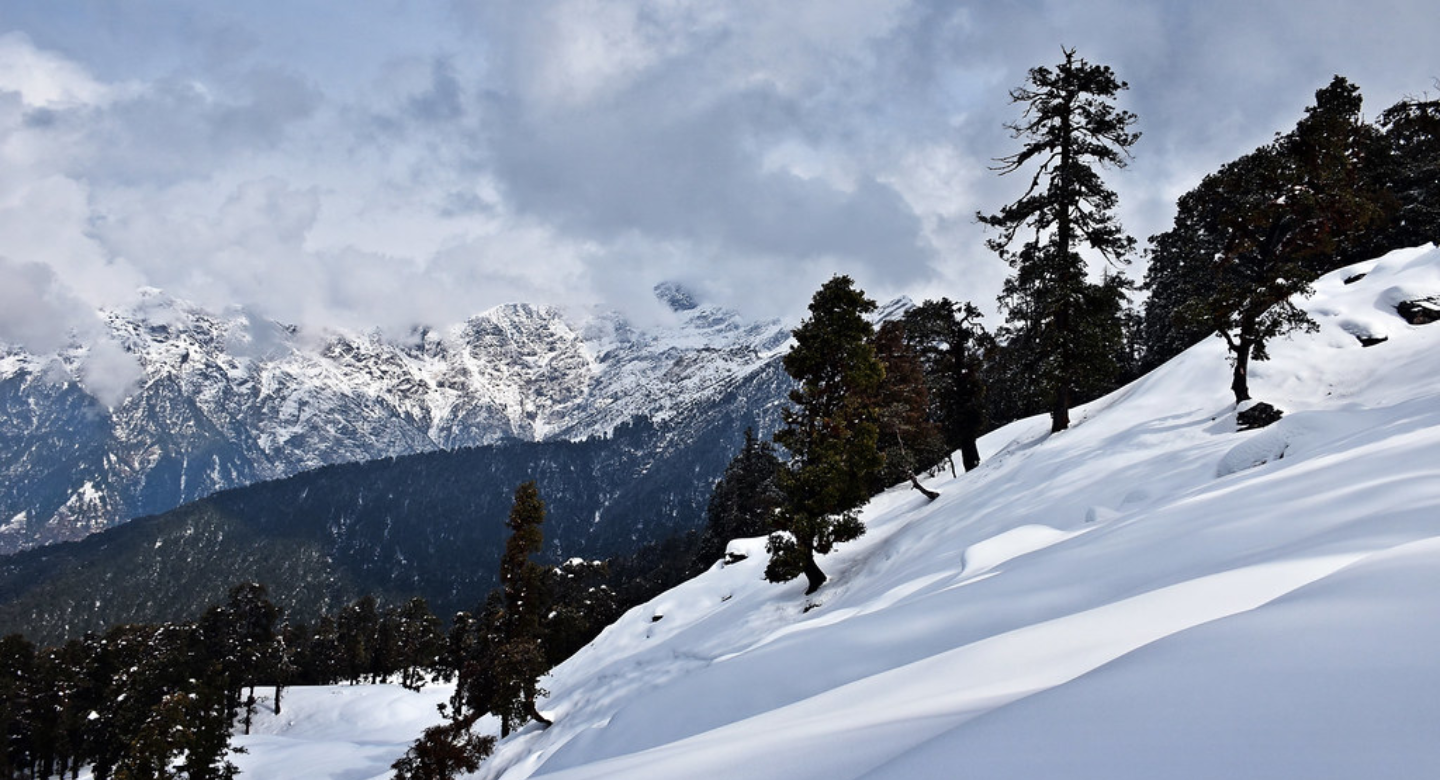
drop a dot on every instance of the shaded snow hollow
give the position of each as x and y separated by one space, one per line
1148 594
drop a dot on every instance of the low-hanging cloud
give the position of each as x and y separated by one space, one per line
422 163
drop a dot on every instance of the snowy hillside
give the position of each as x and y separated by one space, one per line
1146 595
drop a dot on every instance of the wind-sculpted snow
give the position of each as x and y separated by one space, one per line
227 399
1107 602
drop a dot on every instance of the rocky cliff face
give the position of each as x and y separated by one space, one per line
225 399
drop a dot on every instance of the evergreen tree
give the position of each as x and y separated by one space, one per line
1412 173
831 433
743 502
582 604
1255 235
1071 128
17 704
356 631
418 641
241 637
443 752
519 658
909 440
952 347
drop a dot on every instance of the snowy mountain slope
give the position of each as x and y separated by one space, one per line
226 400
1148 594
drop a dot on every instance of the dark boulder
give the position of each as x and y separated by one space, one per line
1421 311
1257 415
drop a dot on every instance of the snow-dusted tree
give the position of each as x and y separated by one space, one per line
1412 134
1253 236
830 434
743 501
1071 129
519 659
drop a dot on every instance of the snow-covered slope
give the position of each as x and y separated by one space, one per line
224 400
1148 594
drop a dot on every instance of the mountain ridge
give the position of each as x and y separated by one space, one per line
225 400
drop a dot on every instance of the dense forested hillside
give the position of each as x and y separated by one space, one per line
430 525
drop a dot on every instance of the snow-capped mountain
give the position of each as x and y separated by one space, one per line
222 400
1147 594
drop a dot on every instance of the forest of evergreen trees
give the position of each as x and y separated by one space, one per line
872 407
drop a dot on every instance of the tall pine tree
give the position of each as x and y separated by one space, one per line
1070 128
952 346
520 658
831 433
910 439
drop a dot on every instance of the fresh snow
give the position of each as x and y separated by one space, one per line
1148 594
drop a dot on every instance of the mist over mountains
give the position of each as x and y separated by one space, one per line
193 402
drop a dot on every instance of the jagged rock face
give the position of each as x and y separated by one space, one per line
224 400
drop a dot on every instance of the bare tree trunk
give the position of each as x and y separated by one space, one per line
1240 380
813 575
969 453
915 483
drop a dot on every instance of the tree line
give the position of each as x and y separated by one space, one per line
875 406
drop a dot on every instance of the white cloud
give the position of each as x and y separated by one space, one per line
109 373
43 79
410 167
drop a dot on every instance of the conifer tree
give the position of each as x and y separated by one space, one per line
831 433
743 501
1070 128
418 642
519 658
910 440
1412 173
1254 235
952 347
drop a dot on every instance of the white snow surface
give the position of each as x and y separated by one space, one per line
1149 594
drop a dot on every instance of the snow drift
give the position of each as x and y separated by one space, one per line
1148 594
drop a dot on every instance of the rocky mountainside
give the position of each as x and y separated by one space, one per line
223 400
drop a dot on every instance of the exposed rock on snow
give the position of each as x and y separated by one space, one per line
1421 311
1256 414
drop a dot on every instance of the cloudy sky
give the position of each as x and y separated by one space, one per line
386 163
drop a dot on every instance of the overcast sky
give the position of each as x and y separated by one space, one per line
385 163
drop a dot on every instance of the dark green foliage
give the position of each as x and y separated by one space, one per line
419 642
499 649
831 433
444 752
583 602
1254 235
427 525
909 439
744 501
1070 128
241 638
953 348
519 658
1411 172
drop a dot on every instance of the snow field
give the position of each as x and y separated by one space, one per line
1148 594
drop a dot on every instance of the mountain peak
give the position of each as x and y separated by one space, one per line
676 296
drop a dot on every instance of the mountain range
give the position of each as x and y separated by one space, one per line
229 399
